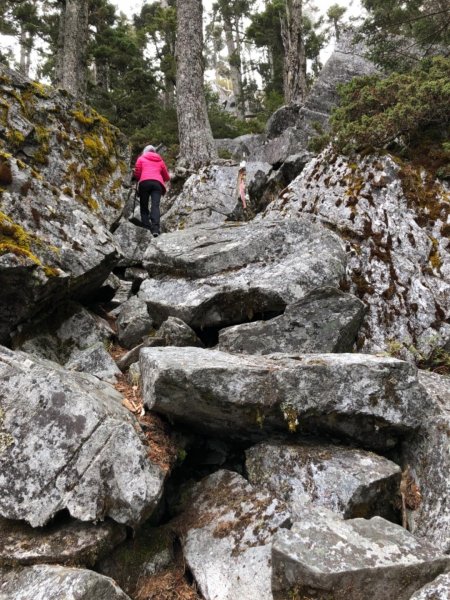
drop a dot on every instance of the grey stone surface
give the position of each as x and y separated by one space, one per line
347 481
95 360
223 275
373 400
122 295
133 242
69 330
176 332
71 543
427 458
325 320
54 217
51 582
66 442
398 255
330 558
226 513
211 196
439 589
134 322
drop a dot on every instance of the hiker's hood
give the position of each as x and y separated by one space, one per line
152 157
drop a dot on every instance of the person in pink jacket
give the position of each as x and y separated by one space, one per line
152 176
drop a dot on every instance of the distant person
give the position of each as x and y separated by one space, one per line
151 173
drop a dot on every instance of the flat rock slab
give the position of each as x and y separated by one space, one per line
227 545
73 544
427 458
439 589
347 481
66 442
370 399
325 320
351 560
47 582
223 275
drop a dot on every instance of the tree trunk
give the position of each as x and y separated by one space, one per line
234 59
196 141
294 73
72 47
24 52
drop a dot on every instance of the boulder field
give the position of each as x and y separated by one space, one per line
232 406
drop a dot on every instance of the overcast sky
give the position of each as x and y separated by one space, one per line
130 7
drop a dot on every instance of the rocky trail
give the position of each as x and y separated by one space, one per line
229 411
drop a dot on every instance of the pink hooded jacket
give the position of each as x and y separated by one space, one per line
151 166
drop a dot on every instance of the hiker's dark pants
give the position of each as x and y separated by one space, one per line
149 188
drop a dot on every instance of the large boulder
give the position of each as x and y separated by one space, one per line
61 168
375 400
394 220
325 320
427 465
66 442
214 276
133 242
347 481
71 543
225 513
51 582
74 337
329 558
212 196
133 322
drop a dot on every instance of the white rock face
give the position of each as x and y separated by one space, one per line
214 276
395 223
370 399
230 526
72 543
326 557
347 481
427 457
66 442
45 582
439 589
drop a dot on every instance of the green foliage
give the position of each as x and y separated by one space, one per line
401 33
225 125
400 111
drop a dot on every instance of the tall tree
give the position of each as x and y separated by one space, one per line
157 24
196 140
71 60
231 13
294 73
334 16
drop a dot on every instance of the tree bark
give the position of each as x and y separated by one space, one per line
196 141
294 74
71 71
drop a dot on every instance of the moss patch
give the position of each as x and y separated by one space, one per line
15 240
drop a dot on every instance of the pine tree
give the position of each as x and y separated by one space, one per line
196 140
